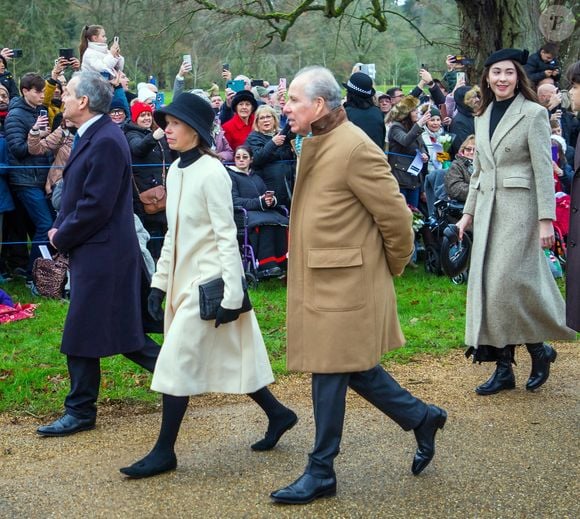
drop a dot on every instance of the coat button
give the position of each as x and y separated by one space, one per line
574 209
572 244
508 149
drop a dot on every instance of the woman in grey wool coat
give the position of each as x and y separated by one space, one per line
512 297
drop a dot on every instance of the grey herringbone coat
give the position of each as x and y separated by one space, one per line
512 297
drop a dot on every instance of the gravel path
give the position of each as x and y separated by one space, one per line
515 454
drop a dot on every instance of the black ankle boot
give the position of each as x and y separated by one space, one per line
542 356
503 376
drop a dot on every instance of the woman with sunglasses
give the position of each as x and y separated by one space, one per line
459 174
273 158
267 226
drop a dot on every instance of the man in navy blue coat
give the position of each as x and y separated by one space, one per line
95 227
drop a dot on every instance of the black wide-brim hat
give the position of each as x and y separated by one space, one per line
521 56
360 84
193 111
244 95
454 254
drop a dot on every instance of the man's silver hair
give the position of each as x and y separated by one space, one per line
97 89
320 82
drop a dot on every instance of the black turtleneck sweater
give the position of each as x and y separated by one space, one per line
187 158
498 110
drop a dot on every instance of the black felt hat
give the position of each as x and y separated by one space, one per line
244 95
360 84
193 111
521 56
454 253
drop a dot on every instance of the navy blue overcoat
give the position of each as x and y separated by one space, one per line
96 228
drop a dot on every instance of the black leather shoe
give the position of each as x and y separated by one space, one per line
276 428
66 425
148 467
305 489
542 356
425 435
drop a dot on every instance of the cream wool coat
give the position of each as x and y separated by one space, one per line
512 297
350 233
200 246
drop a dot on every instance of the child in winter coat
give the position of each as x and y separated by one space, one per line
96 56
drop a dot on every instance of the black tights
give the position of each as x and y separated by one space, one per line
174 408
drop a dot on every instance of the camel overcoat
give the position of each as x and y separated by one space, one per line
350 233
573 263
201 245
512 297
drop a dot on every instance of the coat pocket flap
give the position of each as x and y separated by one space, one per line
334 258
526 183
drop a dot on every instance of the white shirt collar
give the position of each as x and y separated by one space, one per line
85 126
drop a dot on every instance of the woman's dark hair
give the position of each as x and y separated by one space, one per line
204 149
358 101
246 149
573 73
86 34
523 86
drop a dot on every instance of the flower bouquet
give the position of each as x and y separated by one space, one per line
418 221
444 156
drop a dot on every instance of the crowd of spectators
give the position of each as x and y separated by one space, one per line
427 135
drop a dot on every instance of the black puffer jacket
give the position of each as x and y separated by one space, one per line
462 124
278 176
246 192
7 80
147 150
21 117
535 68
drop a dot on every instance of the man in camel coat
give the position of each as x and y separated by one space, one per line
350 233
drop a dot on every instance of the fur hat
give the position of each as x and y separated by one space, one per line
471 93
403 108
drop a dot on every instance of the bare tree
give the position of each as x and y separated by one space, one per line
486 25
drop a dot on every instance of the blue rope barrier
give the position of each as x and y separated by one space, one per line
7 166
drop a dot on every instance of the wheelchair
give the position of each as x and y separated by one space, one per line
434 232
250 262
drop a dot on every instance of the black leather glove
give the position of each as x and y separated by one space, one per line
154 300
225 315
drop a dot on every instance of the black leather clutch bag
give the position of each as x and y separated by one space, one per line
211 295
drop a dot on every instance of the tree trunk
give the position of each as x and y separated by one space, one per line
489 25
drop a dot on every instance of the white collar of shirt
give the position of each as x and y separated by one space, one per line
85 126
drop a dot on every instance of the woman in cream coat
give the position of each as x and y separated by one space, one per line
512 297
228 355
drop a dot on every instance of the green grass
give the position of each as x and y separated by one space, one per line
33 374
